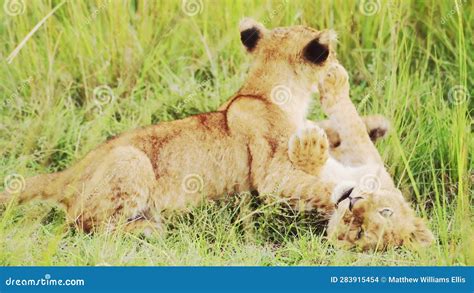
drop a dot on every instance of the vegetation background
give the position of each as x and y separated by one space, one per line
94 69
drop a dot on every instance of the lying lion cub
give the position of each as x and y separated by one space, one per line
243 146
370 212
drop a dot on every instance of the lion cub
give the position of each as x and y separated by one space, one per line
370 212
132 179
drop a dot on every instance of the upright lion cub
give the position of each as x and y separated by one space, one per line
243 146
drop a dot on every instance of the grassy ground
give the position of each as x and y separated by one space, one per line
97 68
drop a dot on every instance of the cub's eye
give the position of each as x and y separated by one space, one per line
386 212
360 234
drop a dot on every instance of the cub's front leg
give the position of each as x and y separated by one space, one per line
302 191
308 149
355 141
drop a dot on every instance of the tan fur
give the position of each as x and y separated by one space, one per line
380 217
170 166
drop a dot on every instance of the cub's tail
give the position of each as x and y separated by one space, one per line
23 190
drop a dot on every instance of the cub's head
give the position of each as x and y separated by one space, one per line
290 52
374 219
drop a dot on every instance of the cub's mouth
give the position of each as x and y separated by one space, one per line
347 195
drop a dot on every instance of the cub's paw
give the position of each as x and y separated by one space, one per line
145 228
308 149
377 126
334 86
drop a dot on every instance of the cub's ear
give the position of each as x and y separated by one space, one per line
421 236
251 32
317 50
328 38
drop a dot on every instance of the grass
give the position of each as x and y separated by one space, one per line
411 61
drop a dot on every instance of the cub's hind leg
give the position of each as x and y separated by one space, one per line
377 127
114 190
308 149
